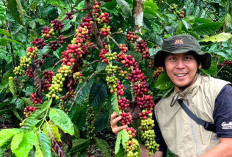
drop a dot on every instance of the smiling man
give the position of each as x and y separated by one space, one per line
196 118
209 99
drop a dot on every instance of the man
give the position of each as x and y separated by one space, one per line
208 98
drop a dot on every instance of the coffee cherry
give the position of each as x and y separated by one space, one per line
105 30
39 43
29 73
32 52
47 32
141 47
126 118
57 25
123 48
47 74
131 36
28 110
35 98
69 16
38 62
54 45
78 77
123 103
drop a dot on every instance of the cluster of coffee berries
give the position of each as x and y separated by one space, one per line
45 85
180 13
112 83
151 63
110 69
157 72
140 88
56 87
47 32
136 75
29 72
111 56
120 88
123 73
64 70
146 113
32 52
28 110
226 63
38 62
103 18
39 43
126 118
61 39
96 8
132 145
78 77
102 54
69 16
131 36
54 45
36 98
123 48
127 60
147 133
145 101
123 103
57 25
44 56
105 30
18 71
141 47
47 74
173 7
90 121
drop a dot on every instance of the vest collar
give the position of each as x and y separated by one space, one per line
188 92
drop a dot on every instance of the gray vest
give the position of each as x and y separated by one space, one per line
183 136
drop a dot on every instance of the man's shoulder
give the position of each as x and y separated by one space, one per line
211 82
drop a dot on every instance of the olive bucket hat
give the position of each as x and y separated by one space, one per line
181 44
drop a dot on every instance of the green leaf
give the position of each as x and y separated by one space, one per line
122 138
179 27
16 10
228 19
46 105
101 66
7 134
29 139
11 85
103 145
218 38
27 101
17 139
208 28
97 94
59 3
114 103
84 93
125 7
212 70
51 130
4 32
38 151
163 82
61 119
4 41
45 144
2 13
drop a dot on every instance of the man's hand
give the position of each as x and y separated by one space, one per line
114 123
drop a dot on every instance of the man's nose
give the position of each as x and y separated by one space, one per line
180 64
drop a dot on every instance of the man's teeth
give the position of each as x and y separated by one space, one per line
179 75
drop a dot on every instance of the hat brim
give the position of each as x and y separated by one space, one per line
205 58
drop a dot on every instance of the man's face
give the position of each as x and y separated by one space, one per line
181 69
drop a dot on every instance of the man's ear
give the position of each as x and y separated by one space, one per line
200 66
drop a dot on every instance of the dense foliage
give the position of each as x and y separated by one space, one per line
67 65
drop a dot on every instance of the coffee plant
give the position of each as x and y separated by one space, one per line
67 65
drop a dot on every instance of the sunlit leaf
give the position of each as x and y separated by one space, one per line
218 38
62 120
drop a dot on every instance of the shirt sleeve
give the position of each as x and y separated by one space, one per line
159 138
223 112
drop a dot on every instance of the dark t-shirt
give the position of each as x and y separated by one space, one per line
222 116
